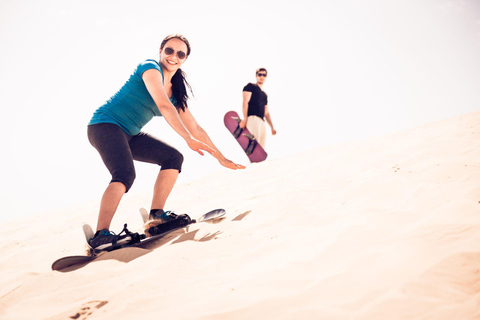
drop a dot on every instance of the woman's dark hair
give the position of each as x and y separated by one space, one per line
179 81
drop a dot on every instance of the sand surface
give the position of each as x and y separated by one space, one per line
383 228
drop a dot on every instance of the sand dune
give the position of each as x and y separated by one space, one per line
383 228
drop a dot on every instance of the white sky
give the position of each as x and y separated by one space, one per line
338 71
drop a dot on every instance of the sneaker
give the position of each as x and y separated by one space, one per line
105 239
163 216
161 222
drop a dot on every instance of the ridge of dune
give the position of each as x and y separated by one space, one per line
382 228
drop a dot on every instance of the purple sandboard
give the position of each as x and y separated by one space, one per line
231 122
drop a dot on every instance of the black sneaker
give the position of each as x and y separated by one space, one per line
163 216
161 222
105 239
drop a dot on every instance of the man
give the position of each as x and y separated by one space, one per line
255 108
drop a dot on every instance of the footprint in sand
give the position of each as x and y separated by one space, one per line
87 309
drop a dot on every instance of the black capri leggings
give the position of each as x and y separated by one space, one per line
118 150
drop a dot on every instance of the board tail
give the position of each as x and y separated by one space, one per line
144 214
88 231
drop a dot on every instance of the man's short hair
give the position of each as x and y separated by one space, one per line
261 69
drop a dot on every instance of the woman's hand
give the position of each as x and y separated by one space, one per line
230 164
198 146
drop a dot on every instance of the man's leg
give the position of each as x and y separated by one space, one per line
256 126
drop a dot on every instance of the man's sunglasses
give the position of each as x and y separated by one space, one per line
261 74
180 54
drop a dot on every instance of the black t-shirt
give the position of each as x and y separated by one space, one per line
256 105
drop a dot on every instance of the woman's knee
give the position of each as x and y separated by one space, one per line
127 177
175 161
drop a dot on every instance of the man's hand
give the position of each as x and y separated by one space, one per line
243 123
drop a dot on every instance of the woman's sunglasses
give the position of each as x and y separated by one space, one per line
180 54
261 74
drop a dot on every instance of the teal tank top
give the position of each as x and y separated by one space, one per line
131 107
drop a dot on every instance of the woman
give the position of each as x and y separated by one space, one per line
154 89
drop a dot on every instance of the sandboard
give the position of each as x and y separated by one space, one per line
247 141
80 260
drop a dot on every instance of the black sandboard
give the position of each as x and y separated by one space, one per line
81 260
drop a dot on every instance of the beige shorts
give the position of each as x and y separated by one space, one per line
256 126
